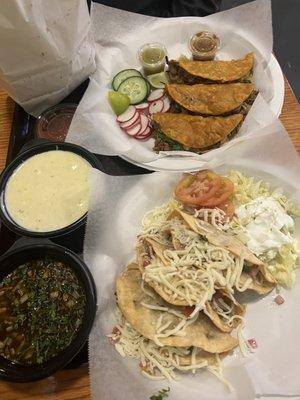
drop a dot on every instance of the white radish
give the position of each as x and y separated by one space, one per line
167 104
156 106
131 122
145 135
156 95
127 115
142 106
144 132
134 130
144 122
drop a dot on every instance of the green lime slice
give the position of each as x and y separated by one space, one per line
158 81
119 102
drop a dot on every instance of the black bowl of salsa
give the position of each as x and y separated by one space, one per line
47 309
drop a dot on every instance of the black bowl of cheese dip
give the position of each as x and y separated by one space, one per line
44 191
48 304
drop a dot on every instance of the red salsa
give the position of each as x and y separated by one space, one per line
54 123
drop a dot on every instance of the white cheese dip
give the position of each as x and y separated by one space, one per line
49 191
266 224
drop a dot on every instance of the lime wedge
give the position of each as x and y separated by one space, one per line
158 81
119 102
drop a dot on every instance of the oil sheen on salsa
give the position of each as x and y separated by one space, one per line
42 305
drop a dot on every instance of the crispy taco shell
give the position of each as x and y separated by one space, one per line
192 72
222 323
201 356
195 132
210 99
145 248
263 282
210 311
202 333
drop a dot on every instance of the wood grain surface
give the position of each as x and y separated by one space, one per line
74 384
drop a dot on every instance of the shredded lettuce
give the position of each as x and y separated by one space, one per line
282 262
247 188
283 266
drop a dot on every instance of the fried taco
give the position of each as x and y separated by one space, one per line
192 72
225 312
192 133
254 274
170 289
161 361
157 320
215 99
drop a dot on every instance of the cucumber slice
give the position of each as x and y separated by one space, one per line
136 88
122 75
149 88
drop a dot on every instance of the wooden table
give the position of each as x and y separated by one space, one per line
74 384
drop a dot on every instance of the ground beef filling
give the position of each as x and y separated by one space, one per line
164 143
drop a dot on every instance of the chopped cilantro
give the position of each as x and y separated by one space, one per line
174 145
162 394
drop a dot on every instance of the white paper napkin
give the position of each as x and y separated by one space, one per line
243 29
118 204
47 50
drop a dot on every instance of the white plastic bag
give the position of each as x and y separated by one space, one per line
46 50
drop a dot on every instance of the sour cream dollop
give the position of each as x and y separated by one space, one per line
265 220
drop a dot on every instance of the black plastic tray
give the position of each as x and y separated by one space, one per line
22 136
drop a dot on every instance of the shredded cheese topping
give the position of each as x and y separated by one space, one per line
159 362
214 216
195 267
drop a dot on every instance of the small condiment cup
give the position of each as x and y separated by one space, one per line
204 45
53 124
152 57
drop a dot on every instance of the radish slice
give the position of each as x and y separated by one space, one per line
134 130
144 122
145 132
131 122
127 115
167 104
156 106
142 106
145 135
156 95
143 138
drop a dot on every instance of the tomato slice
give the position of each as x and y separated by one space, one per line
195 190
222 195
228 208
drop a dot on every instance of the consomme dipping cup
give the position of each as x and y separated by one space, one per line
17 162
15 372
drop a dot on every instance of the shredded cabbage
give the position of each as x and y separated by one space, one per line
282 262
247 188
283 265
